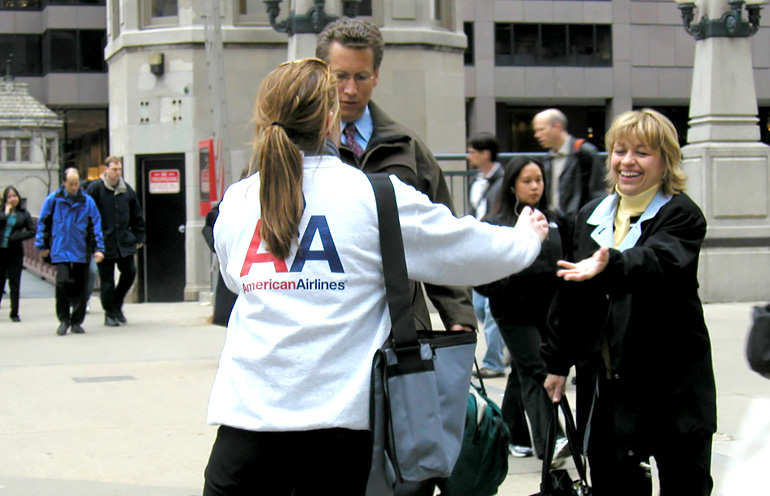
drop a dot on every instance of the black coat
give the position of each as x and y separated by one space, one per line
646 301
122 221
24 228
581 180
524 298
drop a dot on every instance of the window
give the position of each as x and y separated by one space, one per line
74 2
164 8
69 50
51 154
2 150
10 150
27 59
581 45
469 57
20 5
24 149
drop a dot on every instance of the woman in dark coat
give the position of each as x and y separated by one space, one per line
519 304
16 225
629 317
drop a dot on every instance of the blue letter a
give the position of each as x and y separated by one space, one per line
329 252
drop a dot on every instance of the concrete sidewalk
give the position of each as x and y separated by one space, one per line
121 411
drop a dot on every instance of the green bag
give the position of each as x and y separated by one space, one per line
483 462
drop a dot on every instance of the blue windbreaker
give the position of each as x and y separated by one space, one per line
74 225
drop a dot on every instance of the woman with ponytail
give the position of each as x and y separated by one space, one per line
298 241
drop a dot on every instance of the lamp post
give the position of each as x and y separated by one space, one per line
303 28
727 166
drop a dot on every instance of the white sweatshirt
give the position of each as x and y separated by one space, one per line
301 338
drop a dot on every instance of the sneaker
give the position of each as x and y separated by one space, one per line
486 373
110 321
62 330
520 451
561 452
77 329
15 318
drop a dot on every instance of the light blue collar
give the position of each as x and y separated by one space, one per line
364 129
603 217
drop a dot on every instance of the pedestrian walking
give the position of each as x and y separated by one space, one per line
16 225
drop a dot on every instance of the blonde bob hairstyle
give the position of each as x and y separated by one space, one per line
653 130
296 110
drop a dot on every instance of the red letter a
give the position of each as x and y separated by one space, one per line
253 257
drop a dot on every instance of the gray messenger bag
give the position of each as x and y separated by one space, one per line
420 380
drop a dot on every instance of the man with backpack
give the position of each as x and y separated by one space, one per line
574 168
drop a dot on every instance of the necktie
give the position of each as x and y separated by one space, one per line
350 135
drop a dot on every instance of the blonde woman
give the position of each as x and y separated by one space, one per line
299 242
630 318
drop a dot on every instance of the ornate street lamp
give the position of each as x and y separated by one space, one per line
731 24
312 22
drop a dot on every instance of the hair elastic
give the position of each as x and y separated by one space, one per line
279 124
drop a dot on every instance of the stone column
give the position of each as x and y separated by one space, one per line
727 168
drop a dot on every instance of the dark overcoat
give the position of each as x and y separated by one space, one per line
646 303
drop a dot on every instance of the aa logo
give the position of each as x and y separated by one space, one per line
316 227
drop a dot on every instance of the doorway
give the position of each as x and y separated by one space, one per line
161 189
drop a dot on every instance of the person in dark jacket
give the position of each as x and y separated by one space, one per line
354 49
124 234
16 225
519 304
629 317
69 230
573 168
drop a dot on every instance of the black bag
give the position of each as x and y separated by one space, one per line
758 346
558 482
483 462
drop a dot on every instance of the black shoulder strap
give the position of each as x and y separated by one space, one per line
394 268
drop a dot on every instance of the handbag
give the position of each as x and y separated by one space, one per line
420 380
758 346
558 482
483 462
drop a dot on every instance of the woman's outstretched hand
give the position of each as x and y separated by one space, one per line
585 269
536 220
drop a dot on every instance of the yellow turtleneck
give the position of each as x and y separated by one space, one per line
629 207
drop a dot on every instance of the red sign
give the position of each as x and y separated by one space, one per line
164 181
208 175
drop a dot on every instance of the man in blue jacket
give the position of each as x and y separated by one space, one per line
69 231
123 229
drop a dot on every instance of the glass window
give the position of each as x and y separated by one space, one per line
20 5
24 148
469 51
50 150
525 44
61 47
554 44
27 53
11 149
164 8
91 48
2 150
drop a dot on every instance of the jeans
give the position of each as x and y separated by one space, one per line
493 358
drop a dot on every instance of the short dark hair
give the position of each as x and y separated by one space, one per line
351 33
483 142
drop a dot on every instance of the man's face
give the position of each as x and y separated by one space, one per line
549 135
356 78
476 158
72 183
113 173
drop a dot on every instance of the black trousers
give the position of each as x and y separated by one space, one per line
523 342
683 460
326 461
112 296
71 279
11 263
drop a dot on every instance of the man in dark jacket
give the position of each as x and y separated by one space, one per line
69 231
576 173
123 228
373 142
